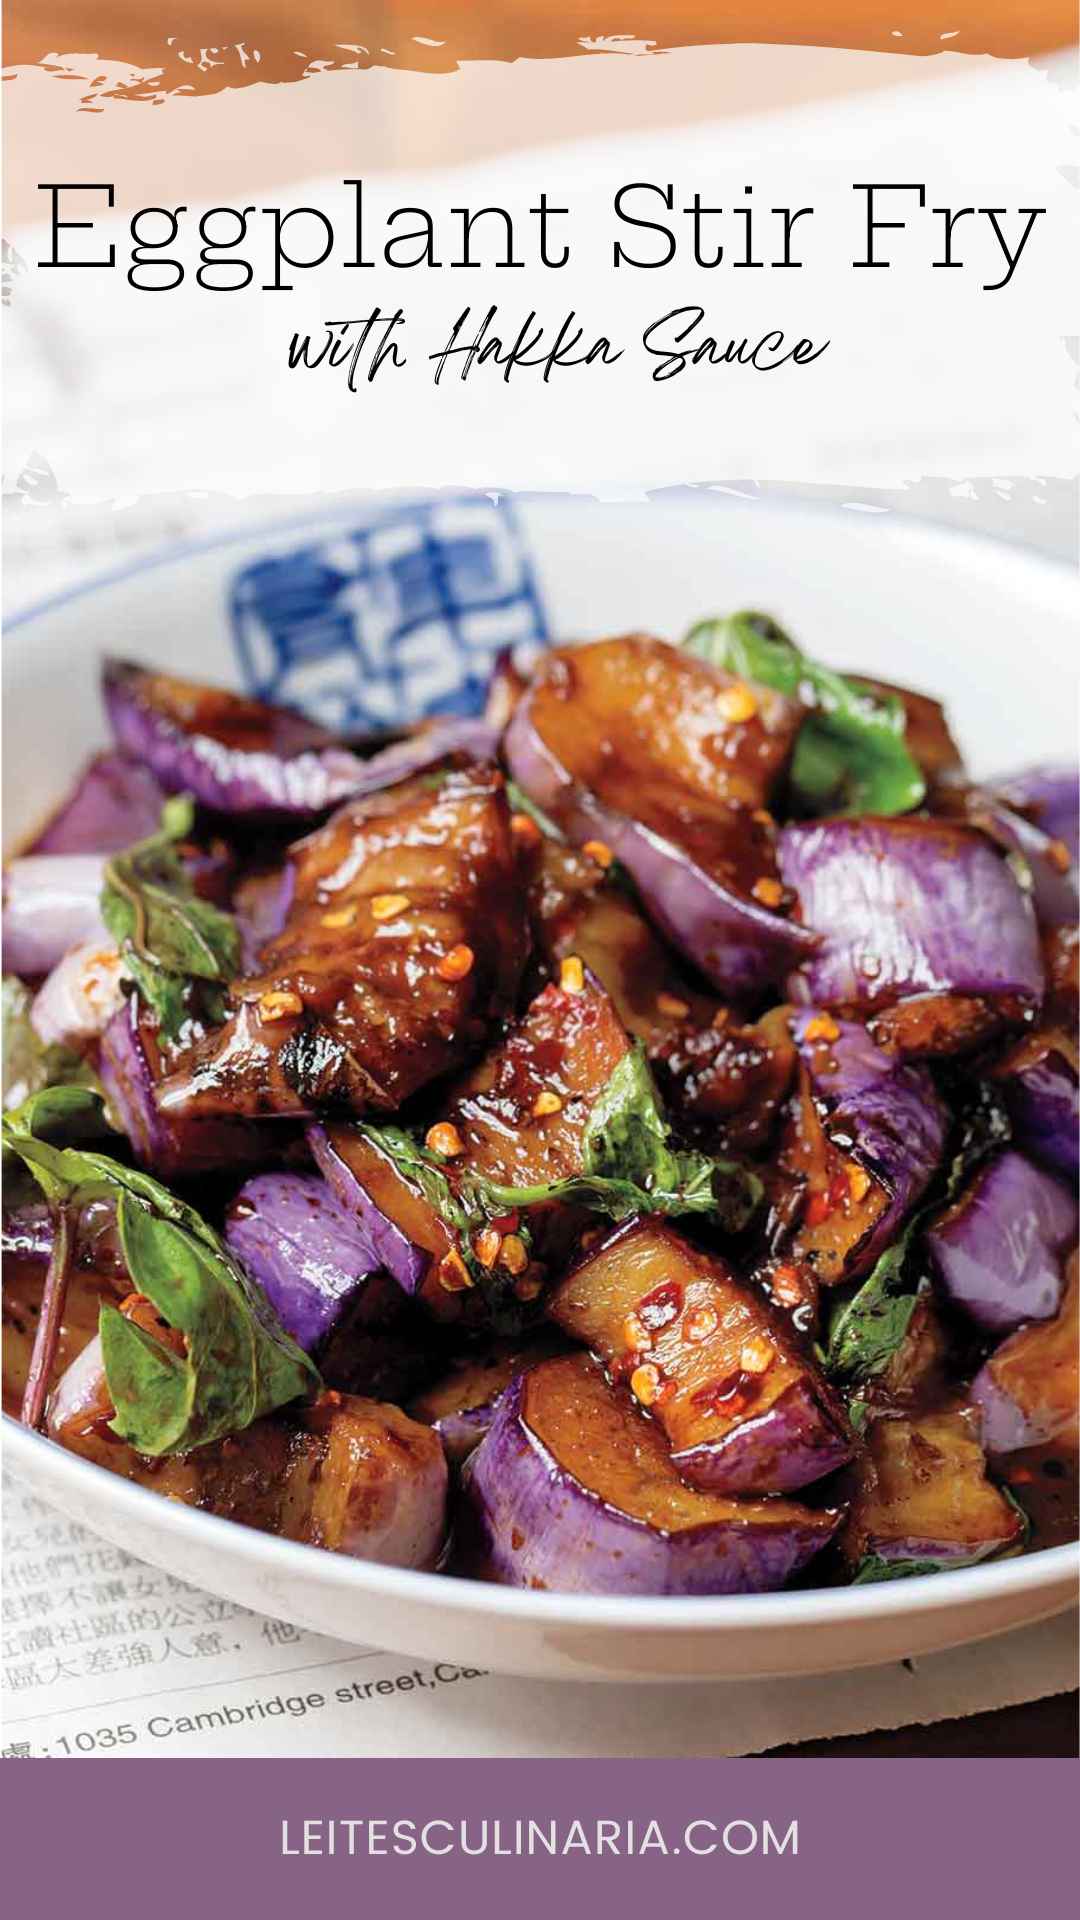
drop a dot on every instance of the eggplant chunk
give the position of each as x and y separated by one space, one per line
353 1476
998 1249
461 1404
742 1410
576 908
404 939
670 764
727 1083
1028 1391
133 1063
572 1489
913 914
518 1118
924 1496
1041 1083
865 1135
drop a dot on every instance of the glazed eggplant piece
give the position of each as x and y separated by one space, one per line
571 1489
924 926
134 1061
577 907
998 1249
251 761
404 940
742 1410
350 1475
924 1501
518 1119
114 802
670 765
1040 1082
1028 1391
1049 795
864 1138
460 1405
726 1082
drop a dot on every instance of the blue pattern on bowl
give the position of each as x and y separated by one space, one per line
398 617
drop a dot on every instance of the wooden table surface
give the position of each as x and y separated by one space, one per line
1043 1729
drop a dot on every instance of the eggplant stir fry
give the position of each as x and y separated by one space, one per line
625 1143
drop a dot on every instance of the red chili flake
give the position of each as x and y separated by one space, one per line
660 1307
730 1396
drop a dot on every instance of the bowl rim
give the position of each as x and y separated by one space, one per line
292 1560
912 527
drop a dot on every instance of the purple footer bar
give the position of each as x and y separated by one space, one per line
172 1838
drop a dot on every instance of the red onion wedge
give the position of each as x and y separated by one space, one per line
75 1003
865 1135
114 802
679 801
998 1248
51 903
907 909
309 1255
244 758
742 1410
572 1489
1028 1392
923 1498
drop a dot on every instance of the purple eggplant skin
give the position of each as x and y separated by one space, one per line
998 1250
887 1109
1027 1391
526 1520
308 1254
909 906
114 802
1051 794
402 1258
245 759
171 1148
51 903
739 946
1043 1099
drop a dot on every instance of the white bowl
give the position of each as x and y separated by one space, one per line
374 610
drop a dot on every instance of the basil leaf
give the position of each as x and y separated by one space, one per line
29 1065
629 1167
238 1362
873 1569
172 942
850 756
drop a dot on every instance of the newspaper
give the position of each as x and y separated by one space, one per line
104 1656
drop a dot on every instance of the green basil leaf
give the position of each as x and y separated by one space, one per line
629 1167
850 755
173 942
29 1065
873 1569
239 1363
